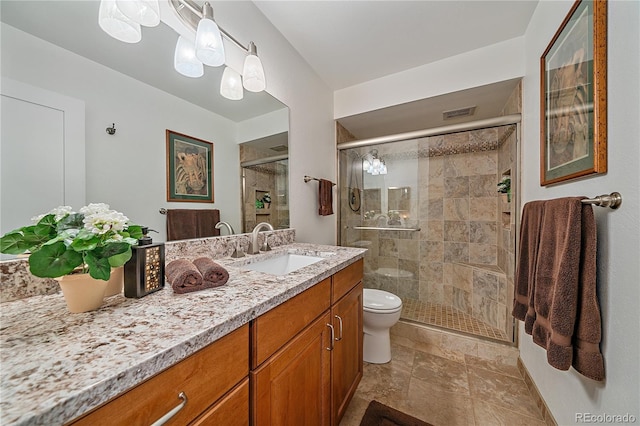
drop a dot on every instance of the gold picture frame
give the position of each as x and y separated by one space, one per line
573 96
189 169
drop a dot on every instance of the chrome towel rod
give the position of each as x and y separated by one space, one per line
613 200
308 178
163 211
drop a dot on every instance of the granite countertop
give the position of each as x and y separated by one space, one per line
56 365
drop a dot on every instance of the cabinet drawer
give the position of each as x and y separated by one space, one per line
232 410
271 330
203 377
345 279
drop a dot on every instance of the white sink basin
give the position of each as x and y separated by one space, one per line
282 264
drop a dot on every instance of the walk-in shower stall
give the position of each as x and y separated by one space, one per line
439 234
265 192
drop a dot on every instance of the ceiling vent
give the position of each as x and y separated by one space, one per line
457 113
279 148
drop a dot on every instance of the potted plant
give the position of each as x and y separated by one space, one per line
75 247
504 187
266 199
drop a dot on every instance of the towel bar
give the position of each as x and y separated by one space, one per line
308 178
613 200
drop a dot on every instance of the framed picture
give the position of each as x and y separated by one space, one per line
573 86
189 168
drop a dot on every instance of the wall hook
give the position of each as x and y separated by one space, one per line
112 130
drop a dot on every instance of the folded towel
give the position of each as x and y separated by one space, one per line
213 274
184 224
325 199
183 276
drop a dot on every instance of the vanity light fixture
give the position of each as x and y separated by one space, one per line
374 165
253 74
122 19
231 84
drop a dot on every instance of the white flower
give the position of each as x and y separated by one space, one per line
94 208
105 221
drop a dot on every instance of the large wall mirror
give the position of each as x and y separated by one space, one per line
128 169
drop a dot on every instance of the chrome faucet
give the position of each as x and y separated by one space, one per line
254 249
229 228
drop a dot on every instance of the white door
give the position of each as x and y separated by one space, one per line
41 153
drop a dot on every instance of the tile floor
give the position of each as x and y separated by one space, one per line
447 387
448 317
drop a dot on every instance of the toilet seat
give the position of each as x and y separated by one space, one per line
380 301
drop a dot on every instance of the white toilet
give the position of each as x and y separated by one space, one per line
381 312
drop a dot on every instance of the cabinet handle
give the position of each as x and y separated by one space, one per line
333 335
162 420
340 320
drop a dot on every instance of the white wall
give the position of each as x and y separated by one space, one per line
127 170
618 231
498 62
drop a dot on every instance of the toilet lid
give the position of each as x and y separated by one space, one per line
380 300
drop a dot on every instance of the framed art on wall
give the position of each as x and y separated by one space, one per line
189 168
573 98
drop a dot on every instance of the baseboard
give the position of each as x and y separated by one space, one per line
542 405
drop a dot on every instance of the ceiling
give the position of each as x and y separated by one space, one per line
345 42
351 42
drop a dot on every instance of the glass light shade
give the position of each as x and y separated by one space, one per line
231 85
253 74
116 24
375 172
209 47
365 165
144 12
383 169
376 163
185 61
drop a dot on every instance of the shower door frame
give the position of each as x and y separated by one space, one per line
444 130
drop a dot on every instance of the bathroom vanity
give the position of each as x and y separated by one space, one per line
257 346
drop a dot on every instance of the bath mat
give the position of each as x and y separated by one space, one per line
378 414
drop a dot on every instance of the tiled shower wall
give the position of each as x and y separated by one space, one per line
271 178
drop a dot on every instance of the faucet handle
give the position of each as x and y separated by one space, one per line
237 252
265 246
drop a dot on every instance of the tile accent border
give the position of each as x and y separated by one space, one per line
542 405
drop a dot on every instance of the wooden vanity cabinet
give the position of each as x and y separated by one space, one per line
214 383
307 354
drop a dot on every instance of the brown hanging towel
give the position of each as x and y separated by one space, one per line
325 200
183 224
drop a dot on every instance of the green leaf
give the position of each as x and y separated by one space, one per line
85 244
72 221
99 267
54 260
135 231
112 249
120 259
14 243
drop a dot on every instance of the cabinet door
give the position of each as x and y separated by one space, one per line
347 352
293 386
232 410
